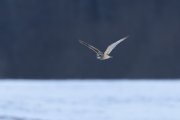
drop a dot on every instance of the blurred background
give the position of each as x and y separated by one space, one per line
39 41
39 38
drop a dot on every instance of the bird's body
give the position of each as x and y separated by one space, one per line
105 55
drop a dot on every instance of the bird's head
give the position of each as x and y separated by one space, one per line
110 56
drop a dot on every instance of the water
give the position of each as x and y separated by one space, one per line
89 100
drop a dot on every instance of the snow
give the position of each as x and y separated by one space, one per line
89 100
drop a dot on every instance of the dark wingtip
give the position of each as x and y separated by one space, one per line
127 37
80 41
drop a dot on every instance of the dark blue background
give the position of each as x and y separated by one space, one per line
39 38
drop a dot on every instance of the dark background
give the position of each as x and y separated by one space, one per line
39 38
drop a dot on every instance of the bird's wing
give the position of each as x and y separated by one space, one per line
90 47
113 45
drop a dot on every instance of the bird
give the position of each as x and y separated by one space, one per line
100 55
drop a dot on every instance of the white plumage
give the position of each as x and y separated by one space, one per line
105 55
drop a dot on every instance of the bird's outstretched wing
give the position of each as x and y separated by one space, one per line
113 45
90 47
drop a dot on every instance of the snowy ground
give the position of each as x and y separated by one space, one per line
89 100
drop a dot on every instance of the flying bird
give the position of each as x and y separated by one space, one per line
105 55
